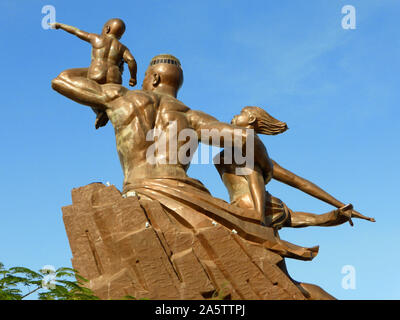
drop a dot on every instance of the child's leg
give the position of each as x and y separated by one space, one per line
101 119
69 74
104 73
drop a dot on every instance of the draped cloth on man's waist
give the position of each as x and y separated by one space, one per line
189 201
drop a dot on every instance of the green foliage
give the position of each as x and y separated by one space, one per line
62 287
222 293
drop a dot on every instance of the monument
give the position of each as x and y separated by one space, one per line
164 236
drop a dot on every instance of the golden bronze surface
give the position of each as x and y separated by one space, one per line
249 223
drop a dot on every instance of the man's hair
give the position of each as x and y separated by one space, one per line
173 76
265 123
165 58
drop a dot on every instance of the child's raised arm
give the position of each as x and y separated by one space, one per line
73 30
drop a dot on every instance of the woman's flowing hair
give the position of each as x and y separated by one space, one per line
265 123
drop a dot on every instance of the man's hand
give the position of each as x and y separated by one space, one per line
132 82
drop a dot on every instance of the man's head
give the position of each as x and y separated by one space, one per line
114 27
164 74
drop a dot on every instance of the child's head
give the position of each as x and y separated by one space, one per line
259 120
115 27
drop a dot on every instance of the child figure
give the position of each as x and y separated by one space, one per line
248 191
108 57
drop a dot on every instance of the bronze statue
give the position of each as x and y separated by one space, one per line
108 57
155 107
134 113
249 192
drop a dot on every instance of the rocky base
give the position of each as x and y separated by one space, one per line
136 247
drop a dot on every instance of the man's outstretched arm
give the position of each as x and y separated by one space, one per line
76 86
221 134
86 36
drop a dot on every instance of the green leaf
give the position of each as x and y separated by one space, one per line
28 272
66 289
67 270
128 297
64 274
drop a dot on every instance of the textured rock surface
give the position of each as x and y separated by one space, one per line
135 247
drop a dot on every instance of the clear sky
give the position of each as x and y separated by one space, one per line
337 89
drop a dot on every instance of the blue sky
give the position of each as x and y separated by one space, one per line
337 89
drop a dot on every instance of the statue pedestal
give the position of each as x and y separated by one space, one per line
131 246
